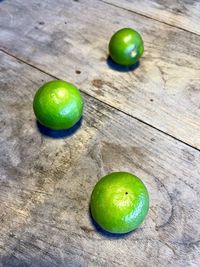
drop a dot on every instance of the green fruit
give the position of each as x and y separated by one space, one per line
58 105
119 202
126 47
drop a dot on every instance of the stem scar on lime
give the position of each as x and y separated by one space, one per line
119 202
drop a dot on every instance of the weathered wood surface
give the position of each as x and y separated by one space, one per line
69 40
45 185
184 14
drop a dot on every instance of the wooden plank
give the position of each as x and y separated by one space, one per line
182 14
59 38
45 185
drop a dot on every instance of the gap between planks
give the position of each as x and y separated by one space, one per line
149 17
101 101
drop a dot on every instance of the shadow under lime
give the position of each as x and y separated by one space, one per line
114 66
56 134
104 233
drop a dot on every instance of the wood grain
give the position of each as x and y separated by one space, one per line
69 40
183 14
45 185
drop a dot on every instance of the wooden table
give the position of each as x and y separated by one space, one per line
144 120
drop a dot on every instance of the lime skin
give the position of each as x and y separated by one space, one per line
119 202
58 105
126 47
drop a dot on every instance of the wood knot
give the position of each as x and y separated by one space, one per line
98 83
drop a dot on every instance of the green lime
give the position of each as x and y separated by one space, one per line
58 105
119 202
126 47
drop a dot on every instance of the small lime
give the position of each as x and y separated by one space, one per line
58 105
119 202
126 47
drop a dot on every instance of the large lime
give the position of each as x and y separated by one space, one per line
126 47
58 105
119 202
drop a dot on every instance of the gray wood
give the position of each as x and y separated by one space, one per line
45 185
65 38
184 14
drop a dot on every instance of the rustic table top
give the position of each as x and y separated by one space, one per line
144 120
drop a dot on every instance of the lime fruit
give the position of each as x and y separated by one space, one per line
126 47
119 202
58 105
